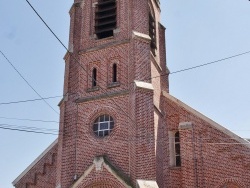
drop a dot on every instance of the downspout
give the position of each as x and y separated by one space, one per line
195 159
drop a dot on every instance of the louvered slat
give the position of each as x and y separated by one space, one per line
105 18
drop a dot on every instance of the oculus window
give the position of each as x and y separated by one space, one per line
103 125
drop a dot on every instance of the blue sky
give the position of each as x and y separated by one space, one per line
197 32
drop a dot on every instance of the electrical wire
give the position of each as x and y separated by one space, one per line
129 140
28 131
27 82
27 127
33 120
201 65
175 72
28 100
51 121
212 62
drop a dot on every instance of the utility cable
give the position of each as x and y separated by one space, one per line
51 121
175 72
33 120
27 127
27 82
32 100
29 100
201 65
213 62
129 140
185 141
28 131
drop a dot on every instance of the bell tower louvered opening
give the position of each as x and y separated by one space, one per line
152 33
105 18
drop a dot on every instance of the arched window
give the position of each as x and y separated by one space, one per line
94 77
103 125
177 149
114 73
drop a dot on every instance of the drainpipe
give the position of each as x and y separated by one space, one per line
189 126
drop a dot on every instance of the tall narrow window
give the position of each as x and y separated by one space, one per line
114 71
94 77
105 18
152 33
174 148
177 149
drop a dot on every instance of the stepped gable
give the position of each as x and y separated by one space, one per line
41 172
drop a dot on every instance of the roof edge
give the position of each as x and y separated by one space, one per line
208 120
98 163
34 162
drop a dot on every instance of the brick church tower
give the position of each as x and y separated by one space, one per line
119 126
109 113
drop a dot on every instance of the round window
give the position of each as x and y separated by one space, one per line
103 125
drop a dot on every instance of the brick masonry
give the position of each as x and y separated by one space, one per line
139 145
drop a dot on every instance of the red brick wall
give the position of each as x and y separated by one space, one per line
131 146
210 158
42 174
139 144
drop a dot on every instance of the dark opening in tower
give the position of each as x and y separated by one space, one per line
114 78
94 77
152 33
105 18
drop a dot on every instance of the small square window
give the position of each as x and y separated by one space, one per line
104 126
106 118
95 127
102 118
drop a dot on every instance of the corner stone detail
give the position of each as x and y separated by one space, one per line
98 162
146 184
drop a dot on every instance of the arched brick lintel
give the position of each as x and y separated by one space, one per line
231 181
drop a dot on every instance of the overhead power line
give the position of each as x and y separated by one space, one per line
27 127
33 100
29 100
174 72
212 62
28 131
201 65
130 140
27 82
26 119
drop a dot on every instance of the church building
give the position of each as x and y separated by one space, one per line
119 125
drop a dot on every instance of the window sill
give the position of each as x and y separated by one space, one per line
103 39
175 167
96 88
114 84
